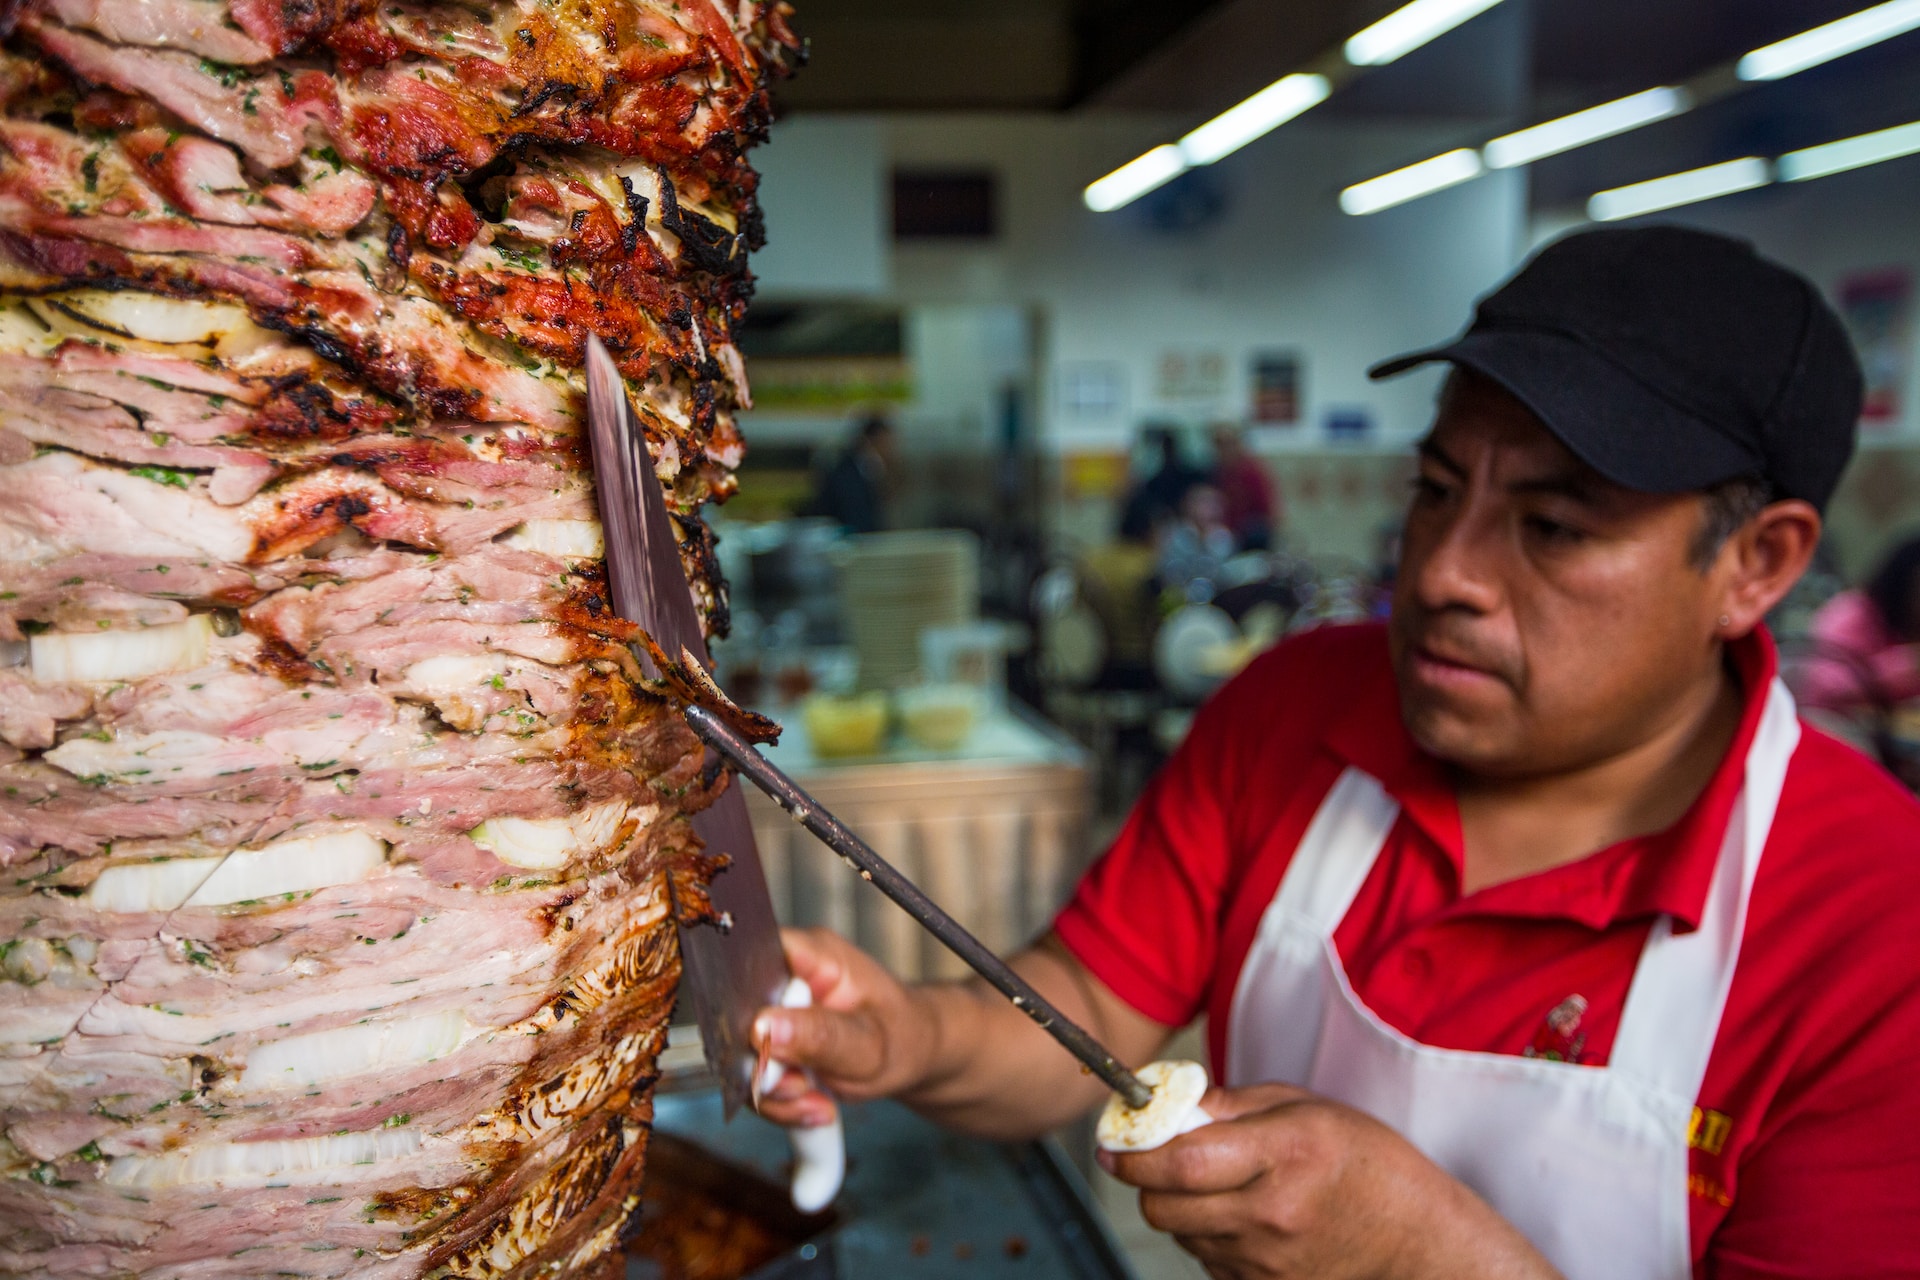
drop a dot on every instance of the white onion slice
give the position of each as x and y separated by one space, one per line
22 330
149 886
545 844
293 1161
294 865
564 539
153 318
453 673
97 657
335 1054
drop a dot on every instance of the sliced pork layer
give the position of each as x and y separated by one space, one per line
345 845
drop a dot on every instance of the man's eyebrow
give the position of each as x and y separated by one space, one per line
1576 483
1433 453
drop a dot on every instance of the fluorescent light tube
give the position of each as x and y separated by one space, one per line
1582 127
1850 153
1835 40
1135 178
1412 182
1680 188
1409 27
1265 111
1221 136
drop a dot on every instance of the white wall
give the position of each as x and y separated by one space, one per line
823 188
1281 268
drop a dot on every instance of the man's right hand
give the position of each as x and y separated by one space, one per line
866 1036
958 1052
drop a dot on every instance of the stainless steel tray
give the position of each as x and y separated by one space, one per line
921 1202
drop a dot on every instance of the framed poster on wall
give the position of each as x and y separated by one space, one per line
1274 383
1190 376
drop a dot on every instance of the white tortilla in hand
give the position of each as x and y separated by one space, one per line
1174 1110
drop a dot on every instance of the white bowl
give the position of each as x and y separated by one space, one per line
940 717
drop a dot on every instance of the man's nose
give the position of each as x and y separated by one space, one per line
1460 565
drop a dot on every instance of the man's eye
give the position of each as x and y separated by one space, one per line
1427 489
1549 530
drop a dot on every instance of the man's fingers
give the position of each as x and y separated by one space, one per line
1220 1157
1218 1254
791 1084
839 1046
1182 1214
809 1109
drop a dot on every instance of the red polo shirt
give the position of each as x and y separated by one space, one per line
1806 1143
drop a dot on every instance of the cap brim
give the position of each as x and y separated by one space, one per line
1609 419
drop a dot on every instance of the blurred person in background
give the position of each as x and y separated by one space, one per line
1197 541
1860 679
1866 642
1157 498
853 491
1252 503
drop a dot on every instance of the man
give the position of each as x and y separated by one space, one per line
853 490
1157 498
1536 934
1253 505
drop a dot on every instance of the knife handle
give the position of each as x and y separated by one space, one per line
819 1153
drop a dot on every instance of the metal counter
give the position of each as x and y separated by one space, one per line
921 1202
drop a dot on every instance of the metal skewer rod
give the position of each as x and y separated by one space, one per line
802 807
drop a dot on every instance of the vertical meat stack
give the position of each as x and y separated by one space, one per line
337 830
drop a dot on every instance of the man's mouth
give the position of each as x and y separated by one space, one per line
1442 667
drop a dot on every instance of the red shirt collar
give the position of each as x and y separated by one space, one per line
1667 873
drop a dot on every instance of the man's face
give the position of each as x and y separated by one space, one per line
1544 618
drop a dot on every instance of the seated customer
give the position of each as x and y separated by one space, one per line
1866 642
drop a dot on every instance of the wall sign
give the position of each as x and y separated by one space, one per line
1191 375
1092 389
1275 385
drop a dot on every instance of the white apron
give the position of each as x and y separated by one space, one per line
1590 1163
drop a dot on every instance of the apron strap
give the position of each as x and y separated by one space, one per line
1339 847
1672 1014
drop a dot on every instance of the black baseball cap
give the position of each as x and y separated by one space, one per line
1669 360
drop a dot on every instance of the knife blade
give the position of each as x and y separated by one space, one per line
734 970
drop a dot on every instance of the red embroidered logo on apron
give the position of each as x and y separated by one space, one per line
1559 1038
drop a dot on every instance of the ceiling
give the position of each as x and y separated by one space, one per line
1523 61
1199 56
944 55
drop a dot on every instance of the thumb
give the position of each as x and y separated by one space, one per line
1230 1104
838 1047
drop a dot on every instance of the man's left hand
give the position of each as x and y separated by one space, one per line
1287 1184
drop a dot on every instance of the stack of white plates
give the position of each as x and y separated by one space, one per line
893 586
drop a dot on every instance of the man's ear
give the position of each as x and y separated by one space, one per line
1759 564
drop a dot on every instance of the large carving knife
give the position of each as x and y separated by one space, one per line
736 969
